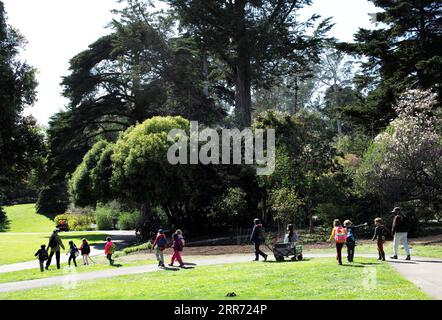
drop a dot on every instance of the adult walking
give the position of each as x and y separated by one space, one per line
399 231
257 238
54 245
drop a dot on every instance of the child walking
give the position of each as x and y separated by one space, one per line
380 235
109 250
42 256
85 250
351 238
177 247
73 253
159 245
180 235
340 235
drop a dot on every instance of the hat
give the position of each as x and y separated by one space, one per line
396 209
160 231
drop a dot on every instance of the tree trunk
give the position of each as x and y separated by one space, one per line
149 223
243 96
310 218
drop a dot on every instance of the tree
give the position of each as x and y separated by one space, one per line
135 171
405 53
81 188
21 141
404 163
255 40
305 165
137 72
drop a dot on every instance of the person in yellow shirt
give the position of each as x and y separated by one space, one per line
340 235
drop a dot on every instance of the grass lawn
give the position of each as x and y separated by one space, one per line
430 251
313 279
101 264
23 218
22 247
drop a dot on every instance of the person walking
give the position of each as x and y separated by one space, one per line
54 245
399 231
177 247
73 253
339 233
257 237
42 256
85 250
159 245
380 235
109 250
351 238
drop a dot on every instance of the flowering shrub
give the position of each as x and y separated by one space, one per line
405 161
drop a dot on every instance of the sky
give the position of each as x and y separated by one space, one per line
57 30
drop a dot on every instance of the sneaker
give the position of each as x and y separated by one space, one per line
393 257
170 264
408 258
340 263
182 265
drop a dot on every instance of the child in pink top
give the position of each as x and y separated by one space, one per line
177 248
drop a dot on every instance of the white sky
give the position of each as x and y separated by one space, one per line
57 30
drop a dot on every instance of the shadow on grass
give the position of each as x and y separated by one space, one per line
287 261
116 265
171 269
186 267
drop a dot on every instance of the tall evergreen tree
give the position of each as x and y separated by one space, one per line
20 140
255 40
406 52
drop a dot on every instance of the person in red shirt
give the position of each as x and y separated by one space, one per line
159 245
109 250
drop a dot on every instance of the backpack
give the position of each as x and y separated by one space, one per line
86 249
112 248
43 255
340 235
162 243
52 242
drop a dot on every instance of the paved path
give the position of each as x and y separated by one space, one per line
121 238
71 278
425 273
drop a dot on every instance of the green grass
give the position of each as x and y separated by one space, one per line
100 264
22 247
23 218
315 279
430 251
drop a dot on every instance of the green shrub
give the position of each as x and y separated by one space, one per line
128 220
104 217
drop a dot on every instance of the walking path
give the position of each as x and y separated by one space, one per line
121 238
425 273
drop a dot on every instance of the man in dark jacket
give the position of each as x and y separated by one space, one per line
257 238
399 231
54 244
